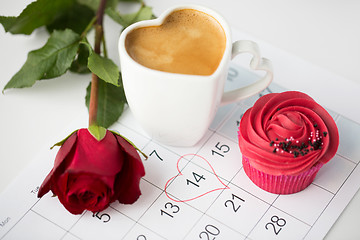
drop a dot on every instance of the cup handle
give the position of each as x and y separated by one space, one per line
256 63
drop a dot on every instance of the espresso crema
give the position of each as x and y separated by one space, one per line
188 42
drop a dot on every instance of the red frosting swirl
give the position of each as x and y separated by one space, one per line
287 133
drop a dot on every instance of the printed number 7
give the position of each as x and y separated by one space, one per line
222 149
157 155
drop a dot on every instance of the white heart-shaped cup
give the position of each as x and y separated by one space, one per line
174 70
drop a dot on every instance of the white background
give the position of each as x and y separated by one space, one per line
323 32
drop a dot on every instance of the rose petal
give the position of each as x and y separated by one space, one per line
103 158
63 152
127 182
61 191
84 192
89 192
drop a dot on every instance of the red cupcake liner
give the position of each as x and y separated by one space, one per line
280 184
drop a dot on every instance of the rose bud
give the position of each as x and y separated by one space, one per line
89 174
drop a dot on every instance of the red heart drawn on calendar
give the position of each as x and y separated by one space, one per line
193 180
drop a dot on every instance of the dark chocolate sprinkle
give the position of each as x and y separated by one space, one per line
298 149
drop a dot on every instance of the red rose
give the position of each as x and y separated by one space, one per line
89 174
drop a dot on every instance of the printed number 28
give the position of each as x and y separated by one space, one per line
276 224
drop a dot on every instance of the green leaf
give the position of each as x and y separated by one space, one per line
136 1
111 101
94 4
36 14
104 68
50 61
7 22
115 15
98 132
76 18
79 65
144 13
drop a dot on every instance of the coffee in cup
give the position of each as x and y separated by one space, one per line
187 42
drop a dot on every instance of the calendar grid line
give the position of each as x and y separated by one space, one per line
230 227
134 220
311 226
156 233
248 234
67 231
348 176
66 234
254 194
325 189
187 234
137 221
115 209
347 158
22 216
298 219
229 138
226 117
47 219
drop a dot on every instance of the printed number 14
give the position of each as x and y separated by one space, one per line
197 178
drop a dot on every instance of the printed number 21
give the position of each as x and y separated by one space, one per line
234 202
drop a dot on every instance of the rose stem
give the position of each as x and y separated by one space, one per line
93 105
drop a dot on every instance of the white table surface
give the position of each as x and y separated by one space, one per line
322 32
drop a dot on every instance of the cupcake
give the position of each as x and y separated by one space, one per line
285 138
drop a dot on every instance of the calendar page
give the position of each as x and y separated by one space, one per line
200 192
